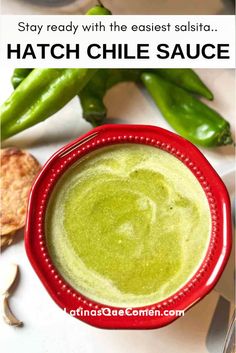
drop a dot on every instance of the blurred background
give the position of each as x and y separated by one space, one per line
120 7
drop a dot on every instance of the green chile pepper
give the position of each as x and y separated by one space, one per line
18 76
91 97
50 96
187 115
184 78
41 94
98 10
94 110
187 79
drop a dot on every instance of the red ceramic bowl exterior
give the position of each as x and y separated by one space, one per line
201 282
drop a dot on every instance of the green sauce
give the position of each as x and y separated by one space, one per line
128 225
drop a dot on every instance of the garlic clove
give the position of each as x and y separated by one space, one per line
8 276
8 316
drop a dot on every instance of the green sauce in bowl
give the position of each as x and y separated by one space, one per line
128 225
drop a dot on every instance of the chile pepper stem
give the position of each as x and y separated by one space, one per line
100 3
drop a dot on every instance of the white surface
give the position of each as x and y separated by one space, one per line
47 329
133 7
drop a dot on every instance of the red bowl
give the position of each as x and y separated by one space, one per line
201 282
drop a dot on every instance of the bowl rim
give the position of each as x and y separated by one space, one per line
209 271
